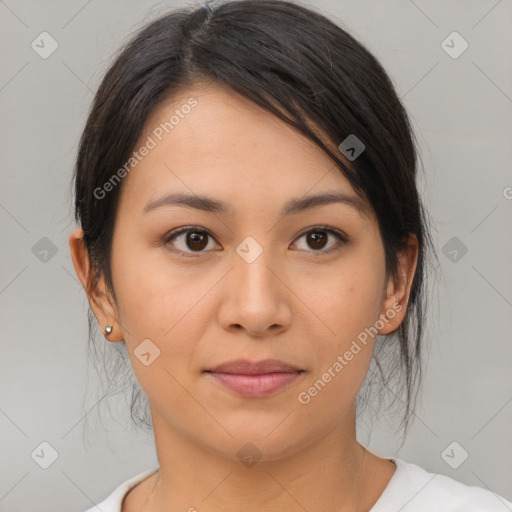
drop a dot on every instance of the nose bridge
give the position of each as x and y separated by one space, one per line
252 262
255 298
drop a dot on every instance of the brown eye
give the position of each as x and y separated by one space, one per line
188 240
318 238
196 240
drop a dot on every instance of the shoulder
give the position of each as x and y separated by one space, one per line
413 489
114 500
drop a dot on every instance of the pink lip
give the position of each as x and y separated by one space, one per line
255 379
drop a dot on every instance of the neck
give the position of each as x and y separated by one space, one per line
334 473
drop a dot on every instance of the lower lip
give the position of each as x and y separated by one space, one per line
256 385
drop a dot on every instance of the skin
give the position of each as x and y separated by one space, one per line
290 304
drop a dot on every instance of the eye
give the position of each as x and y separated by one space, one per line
317 238
193 239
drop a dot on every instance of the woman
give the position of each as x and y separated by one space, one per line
251 230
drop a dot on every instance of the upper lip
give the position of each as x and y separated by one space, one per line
246 367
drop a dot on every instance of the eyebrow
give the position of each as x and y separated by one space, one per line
293 206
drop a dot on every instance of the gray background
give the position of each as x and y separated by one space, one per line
461 109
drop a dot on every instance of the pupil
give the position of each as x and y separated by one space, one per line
316 237
196 238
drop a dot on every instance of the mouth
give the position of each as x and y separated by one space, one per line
255 379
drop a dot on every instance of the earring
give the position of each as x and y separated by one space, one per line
108 329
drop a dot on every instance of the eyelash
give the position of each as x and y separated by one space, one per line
196 229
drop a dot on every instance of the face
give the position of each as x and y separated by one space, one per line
198 286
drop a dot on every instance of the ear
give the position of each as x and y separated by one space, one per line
398 289
102 305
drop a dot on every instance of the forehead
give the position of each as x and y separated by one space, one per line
208 140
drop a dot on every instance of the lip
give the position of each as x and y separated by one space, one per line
255 379
246 367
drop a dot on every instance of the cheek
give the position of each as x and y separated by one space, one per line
345 307
155 303
346 301
155 298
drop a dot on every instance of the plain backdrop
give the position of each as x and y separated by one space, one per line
461 108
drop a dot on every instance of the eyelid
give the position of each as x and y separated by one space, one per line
340 235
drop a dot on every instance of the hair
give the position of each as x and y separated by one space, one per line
306 70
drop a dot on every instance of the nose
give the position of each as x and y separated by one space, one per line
256 297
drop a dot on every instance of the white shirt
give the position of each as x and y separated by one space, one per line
411 489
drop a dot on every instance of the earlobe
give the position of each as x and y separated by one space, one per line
393 311
104 311
112 335
399 287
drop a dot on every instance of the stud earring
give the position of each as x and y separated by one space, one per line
108 329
